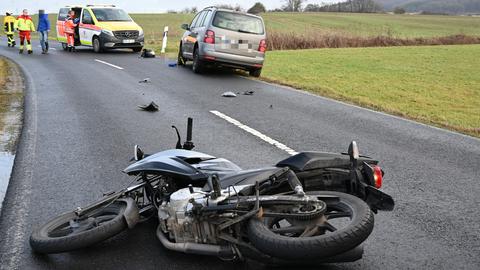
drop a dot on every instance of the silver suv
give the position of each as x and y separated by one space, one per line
227 38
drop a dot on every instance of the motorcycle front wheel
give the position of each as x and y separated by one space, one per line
347 222
68 232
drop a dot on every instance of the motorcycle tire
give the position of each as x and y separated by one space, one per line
44 241
314 247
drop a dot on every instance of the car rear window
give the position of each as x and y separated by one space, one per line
111 15
238 22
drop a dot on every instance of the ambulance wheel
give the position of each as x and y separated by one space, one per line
64 46
97 45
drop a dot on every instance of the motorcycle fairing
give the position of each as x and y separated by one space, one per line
305 161
174 162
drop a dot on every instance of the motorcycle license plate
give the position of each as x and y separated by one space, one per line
128 41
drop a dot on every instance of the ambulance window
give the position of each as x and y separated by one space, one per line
62 15
87 17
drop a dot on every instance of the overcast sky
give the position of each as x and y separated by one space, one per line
135 6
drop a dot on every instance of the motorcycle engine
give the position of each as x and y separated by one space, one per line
176 219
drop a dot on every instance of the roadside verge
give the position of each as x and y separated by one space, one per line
11 118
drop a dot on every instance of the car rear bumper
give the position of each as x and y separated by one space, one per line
231 60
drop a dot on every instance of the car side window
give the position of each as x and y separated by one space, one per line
194 21
206 18
87 17
201 19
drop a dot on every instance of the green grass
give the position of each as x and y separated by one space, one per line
438 85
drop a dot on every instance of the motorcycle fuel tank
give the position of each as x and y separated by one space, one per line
174 162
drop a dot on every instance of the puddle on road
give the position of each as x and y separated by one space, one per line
6 166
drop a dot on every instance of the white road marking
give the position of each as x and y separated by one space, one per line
108 64
256 133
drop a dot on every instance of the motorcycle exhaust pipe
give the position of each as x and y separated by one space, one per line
194 248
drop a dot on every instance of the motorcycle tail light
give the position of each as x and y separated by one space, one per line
209 37
377 176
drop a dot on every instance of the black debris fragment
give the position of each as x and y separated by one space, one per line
172 64
152 107
248 93
146 80
271 106
148 53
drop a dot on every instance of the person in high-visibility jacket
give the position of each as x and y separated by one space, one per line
25 26
70 24
9 27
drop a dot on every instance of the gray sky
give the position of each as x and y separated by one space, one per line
136 6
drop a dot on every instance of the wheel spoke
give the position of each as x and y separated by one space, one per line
327 226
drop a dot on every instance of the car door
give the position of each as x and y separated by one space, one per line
190 37
62 15
87 28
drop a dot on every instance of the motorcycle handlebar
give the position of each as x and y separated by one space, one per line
189 129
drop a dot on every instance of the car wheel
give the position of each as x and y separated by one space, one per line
255 72
97 45
137 49
197 66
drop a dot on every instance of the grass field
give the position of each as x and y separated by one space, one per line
439 85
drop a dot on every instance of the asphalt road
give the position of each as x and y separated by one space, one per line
82 121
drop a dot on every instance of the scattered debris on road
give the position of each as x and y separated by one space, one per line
146 80
271 106
152 107
248 93
148 53
229 94
172 64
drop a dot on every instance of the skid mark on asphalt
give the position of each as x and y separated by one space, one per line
108 64
256 133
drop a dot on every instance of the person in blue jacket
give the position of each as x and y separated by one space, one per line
43 28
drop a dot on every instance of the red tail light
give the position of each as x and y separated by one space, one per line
262 47
377 176
209 37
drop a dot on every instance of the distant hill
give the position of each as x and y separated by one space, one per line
434 6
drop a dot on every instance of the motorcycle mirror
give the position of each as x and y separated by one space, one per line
179 139
138 154
353 151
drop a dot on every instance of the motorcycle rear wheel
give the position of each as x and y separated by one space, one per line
65 232
294 242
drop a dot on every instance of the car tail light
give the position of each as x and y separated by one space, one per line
377 176
209 37
262 47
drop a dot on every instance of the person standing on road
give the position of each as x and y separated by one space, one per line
70 24
9 24
25 26
43 28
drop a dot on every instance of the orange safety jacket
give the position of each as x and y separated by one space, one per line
70 26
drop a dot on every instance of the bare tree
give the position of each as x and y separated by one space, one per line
293 5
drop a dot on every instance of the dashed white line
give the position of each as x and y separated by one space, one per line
256 133
108 64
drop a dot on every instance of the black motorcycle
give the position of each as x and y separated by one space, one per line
311 207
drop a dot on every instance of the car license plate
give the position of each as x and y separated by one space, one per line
128 41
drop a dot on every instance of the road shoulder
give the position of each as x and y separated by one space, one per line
11 119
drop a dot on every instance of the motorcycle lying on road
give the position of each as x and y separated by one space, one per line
310 207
